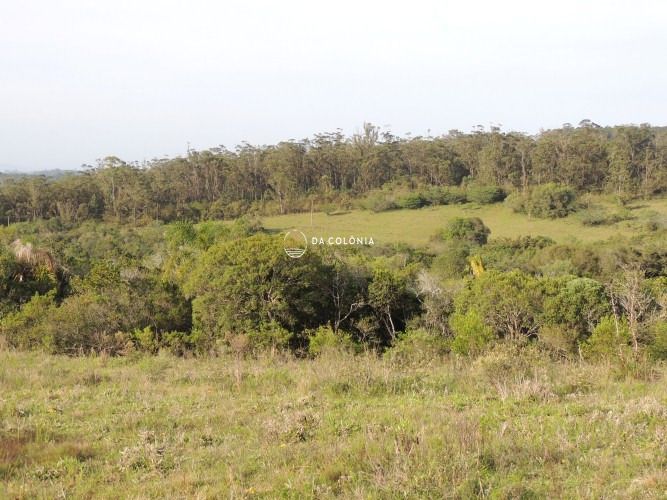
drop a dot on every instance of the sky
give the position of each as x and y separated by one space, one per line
144 79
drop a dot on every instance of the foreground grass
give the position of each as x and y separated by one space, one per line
503 426
416 227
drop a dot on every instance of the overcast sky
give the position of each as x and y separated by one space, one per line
82 79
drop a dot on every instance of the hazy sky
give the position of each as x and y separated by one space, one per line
82 79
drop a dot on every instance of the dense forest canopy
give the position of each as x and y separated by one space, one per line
331 168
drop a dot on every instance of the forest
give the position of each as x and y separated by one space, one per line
330 171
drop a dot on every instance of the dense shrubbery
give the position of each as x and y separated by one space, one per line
445 196
485 194
468 230
379 202
462 238
388 199
104 307
413 200
217 286
471 334
598 216
545 201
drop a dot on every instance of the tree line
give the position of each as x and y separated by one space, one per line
627 161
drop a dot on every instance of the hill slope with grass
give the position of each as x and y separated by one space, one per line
510 424
415 227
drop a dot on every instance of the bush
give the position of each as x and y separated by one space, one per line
236 286
577 306
324 339
518 202
445 196
599 216
545 201
551 201
658 340
378 202
506 254
466 229
471 335
485 194
607 339
507 363
453 261
418 346
25 328
269 336
413 201
510 303
107 303
559 339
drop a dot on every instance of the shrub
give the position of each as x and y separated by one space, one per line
108 301
510 303
578 306
392 298
506 254
269 336
658 340
378 202
418 346
324 339
445 196
413 201
559 338
471 335
569 259
485 194
26 328
518 202
609 339
598 216
453 261
145 339
466 229
551 201
507 363
178 343
545 201
236 286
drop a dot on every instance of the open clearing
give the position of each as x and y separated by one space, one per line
416 227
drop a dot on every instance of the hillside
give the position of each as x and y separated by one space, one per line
511 425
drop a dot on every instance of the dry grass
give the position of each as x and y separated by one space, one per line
507 425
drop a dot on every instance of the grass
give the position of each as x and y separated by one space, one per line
415 227
506 425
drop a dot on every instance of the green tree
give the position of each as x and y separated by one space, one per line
471 335
238 286
578 306
510 303
392 299
466 229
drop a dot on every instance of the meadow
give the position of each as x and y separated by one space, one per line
416 227
509 424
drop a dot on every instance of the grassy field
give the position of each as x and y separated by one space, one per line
506 425
415 227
